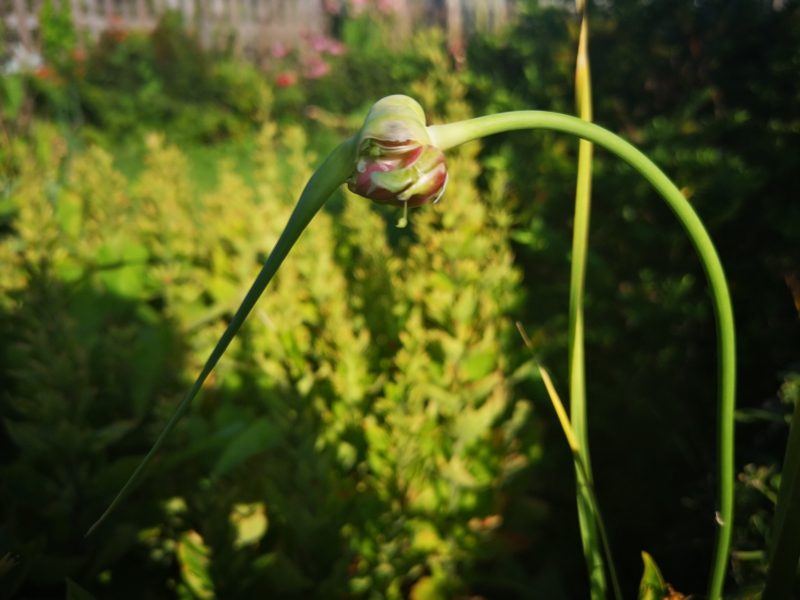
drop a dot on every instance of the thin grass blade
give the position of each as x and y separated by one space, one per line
577 368
572 440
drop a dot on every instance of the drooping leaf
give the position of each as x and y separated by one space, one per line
76 592
284 575
261 435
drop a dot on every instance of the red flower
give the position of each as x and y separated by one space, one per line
279 50
336 48
44 72
286 79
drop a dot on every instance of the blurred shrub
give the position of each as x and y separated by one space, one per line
135 82
128 82
82 364
357 439
57 32
131 82
376 64
347 76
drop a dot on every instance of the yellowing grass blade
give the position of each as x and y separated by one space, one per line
580 466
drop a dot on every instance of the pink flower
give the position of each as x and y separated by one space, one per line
386 6
325 44
319 43
318 69
279 50
336 48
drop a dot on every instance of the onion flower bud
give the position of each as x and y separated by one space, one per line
397 162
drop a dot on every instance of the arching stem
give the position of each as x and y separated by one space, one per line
333 173
448 136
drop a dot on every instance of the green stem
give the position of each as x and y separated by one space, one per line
333 172
448 136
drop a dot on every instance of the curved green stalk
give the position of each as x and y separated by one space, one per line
333 173
448 136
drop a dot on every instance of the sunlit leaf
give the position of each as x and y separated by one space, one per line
427 588
426 539
194 558
250 523
480 363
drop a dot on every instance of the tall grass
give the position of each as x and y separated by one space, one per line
577 367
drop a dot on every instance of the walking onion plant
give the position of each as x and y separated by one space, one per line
396 159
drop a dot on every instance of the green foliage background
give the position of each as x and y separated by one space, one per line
376 430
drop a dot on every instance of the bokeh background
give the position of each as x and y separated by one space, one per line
378 429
